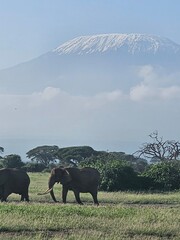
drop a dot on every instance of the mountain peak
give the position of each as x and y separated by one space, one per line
133 43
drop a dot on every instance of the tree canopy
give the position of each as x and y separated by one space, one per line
12 161
164 175
43 154
74 155
119 171
138 164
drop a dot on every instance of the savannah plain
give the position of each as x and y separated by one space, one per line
120 215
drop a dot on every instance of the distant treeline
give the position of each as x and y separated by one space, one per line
119 171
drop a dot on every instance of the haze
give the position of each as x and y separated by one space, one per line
114 119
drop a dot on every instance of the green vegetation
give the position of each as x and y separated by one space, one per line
43 154
121 215
119 171
116 175
75 156
12 161
165 175
142 213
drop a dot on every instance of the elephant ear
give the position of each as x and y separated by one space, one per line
66 177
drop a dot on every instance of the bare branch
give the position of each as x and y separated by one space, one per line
159 149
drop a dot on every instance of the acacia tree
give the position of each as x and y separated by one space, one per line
43 154
74 155
159 149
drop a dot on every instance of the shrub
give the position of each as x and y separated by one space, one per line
116 175
164 175
34 167
12 161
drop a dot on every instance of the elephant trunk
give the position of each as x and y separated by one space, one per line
50 185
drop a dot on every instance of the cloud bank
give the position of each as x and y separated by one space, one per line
106 118
155 86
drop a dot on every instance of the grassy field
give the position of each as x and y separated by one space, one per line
119 216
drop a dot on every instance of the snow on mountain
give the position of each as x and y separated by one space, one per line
133 43
92 64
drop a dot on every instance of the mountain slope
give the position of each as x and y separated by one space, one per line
91 64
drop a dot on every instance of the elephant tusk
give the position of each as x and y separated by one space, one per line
46 192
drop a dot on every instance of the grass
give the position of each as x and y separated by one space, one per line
120 215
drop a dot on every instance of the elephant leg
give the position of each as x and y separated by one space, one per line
77 196
5 196
1 192
2 198
22 197
6 192
64 193
25 196
94 195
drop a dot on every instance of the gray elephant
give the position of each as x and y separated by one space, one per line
14 181
85 180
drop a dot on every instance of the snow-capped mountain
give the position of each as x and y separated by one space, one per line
132 43
91 64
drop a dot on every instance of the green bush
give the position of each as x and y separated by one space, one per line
34 167
12 161
164 175
116 175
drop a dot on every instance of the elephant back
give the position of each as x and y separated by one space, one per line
85 176
18 176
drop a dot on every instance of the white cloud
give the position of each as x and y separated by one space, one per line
141 92
106 118
49 110
155 85
148 74
50 93
172 92
104 98
144 92
158 76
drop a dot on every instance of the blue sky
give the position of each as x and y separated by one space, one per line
33 27
30 28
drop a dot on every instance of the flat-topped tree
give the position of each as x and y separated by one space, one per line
43 154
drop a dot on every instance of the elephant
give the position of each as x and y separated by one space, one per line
85 180
14 181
